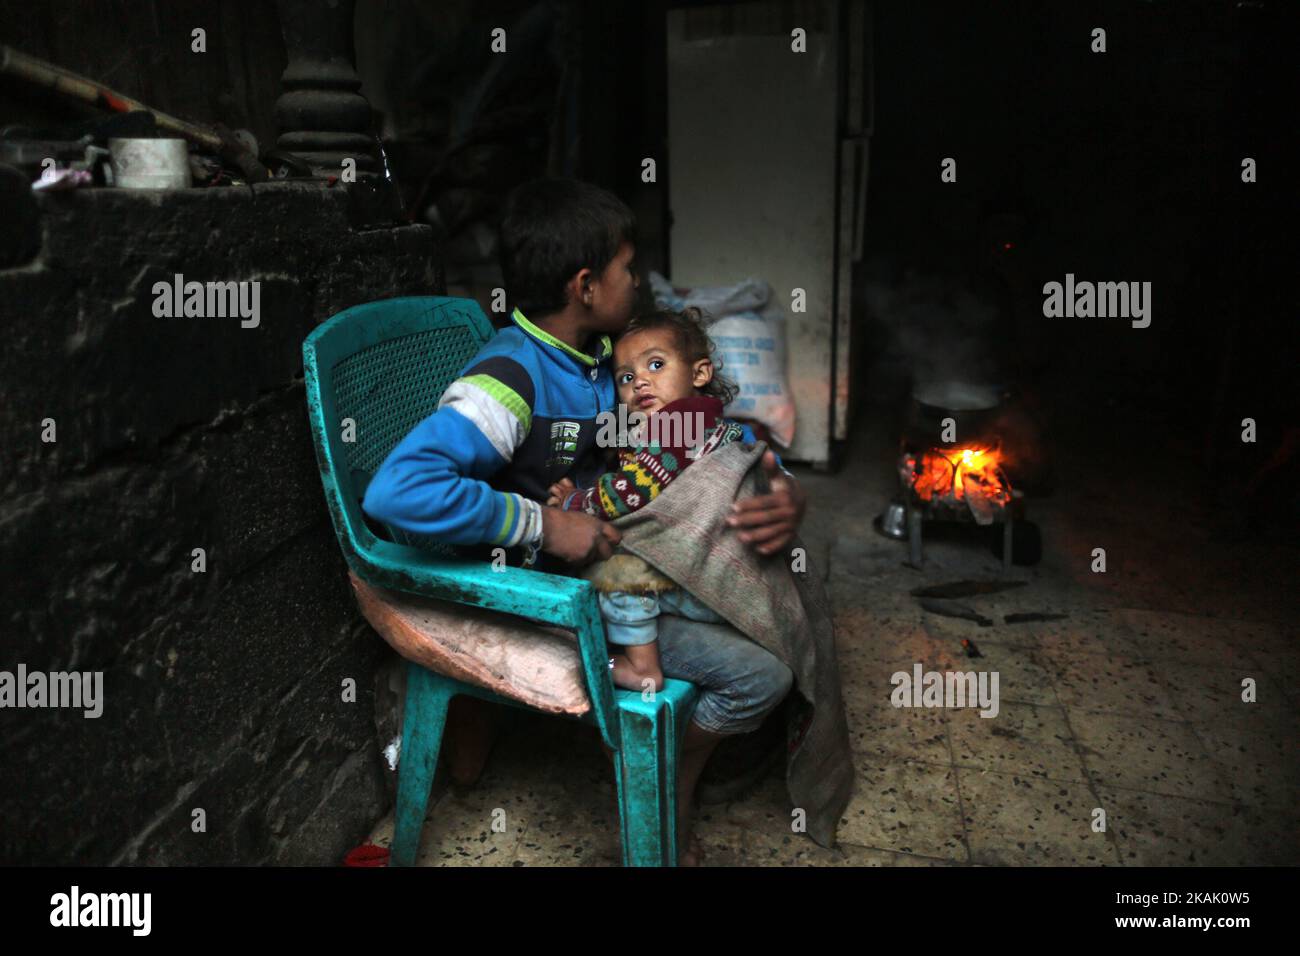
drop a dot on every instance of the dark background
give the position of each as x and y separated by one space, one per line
223 689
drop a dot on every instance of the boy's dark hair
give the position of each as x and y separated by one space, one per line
693 343
550 230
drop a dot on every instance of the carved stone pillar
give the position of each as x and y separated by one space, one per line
322 117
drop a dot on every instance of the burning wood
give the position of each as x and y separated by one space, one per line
959 478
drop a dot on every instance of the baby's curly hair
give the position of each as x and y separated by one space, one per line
692 342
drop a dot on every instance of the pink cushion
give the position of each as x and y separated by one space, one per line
531 663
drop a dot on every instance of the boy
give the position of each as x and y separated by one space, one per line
522 416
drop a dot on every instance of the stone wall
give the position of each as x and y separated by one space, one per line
223 689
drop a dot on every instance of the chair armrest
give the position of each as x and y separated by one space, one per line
550 598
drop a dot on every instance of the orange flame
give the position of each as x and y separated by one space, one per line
950 473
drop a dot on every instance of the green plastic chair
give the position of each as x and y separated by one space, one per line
384 365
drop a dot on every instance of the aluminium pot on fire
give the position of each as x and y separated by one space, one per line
972 408
950 466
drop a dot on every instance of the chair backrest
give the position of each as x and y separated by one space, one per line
373 372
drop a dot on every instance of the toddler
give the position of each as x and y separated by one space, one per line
662 369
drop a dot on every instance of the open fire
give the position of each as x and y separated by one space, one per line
959 479
956 483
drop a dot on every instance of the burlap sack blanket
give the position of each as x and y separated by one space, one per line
683 533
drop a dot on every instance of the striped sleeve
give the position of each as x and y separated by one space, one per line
496 396
435 481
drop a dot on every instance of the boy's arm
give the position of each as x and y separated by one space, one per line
434 482
768 522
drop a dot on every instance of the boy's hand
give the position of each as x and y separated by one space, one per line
577 537
770 521
559 491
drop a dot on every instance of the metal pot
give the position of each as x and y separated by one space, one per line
974 408
150 163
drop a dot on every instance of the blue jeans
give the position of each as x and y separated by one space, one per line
740 683
630 619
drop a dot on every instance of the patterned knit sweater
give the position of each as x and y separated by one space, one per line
687 428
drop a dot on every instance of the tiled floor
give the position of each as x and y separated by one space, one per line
1128 711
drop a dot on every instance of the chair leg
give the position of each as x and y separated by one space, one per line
427 697
647 786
